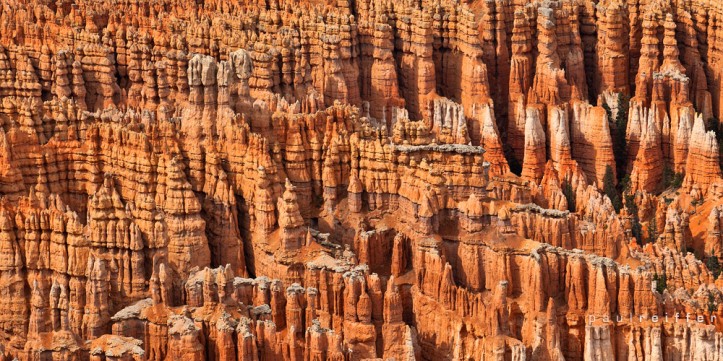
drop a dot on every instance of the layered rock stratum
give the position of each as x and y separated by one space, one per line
361 180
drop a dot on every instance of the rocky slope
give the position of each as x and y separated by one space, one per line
361 180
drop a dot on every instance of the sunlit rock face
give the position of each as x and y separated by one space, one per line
361 180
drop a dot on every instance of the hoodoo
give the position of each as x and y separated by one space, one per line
335 180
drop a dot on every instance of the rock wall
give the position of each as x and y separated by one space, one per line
360 180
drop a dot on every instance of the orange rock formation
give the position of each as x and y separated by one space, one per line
361 180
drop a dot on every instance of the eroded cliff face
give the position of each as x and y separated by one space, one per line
361 180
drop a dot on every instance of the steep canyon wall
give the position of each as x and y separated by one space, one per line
361 180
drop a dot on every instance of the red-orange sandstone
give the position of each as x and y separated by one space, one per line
361 180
